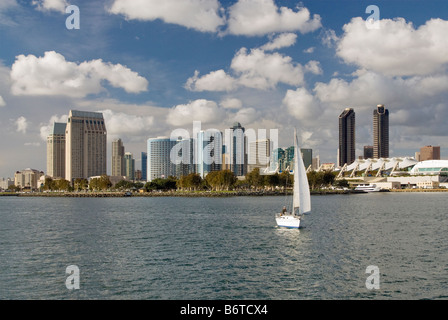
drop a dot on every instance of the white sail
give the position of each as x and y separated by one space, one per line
302 198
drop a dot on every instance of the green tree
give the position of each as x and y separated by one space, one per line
272 180
49 184
80 184
286 179
162 184
255 179
221 180
62 185
105 182
192 181
100 184
124 185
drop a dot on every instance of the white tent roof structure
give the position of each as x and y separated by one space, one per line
383 164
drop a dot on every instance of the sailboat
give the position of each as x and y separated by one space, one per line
301 195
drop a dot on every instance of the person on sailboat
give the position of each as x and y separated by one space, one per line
284 210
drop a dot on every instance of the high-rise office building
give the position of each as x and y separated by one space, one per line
159 158
56 151
208 152
307 155
429 153
277 159
237 150
144 166
129 164
259 153
288 162
380 132
347 137
118 164
316 163
368 152
86 145
186 165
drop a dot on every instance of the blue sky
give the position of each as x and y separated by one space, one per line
152 68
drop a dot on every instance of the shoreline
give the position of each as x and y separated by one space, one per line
186 194
197 194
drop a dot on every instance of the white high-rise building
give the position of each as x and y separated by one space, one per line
86 145
259 155
208 152
159 158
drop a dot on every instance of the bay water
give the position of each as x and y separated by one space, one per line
179 248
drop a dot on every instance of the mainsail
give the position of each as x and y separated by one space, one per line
302 198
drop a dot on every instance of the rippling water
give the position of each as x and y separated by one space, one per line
224 248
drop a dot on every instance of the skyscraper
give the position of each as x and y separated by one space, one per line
159 158
368 152
238 150
347 141
118 164
208 152
429 153
380 132
144 166
307 155
129 164
86 145
185 148
259 152
56 151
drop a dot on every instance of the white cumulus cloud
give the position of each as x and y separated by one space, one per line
199 110
53 75
21 125
49 5
231 103
120 124
253 69
260 17
301 104
201 15
397 48
214 81
283 40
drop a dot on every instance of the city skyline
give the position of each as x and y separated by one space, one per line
153 73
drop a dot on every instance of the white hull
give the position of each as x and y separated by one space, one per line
288 221
368 188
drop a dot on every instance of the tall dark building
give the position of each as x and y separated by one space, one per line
380 132
144 166
368 152
347 141
238 162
